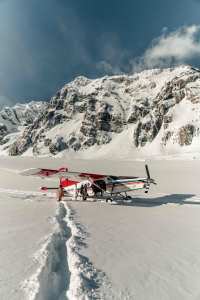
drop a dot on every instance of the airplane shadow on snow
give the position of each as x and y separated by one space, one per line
180 199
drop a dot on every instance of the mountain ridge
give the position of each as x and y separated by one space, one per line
159 108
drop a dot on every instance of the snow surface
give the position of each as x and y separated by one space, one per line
147 248
25 221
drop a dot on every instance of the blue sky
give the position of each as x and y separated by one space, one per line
45 44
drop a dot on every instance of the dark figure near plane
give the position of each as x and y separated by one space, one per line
83 192
98 187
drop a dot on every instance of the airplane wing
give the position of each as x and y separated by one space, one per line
64 172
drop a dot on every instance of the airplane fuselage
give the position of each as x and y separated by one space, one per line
73 188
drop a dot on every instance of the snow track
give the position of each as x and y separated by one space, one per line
52 277
86 281
63 273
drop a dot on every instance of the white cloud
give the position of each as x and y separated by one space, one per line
108 68
181 46
176 47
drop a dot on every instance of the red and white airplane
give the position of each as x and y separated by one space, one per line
99 186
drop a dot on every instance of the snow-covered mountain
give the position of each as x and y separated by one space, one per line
13 120
152 112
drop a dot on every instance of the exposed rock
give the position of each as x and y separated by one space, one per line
13 150
20 146
74 142
167 120
103 138
90 141
13 120
186 134
58 145
139 110
4 140
88 112
47 142
3 131
166 137
145 132
22 114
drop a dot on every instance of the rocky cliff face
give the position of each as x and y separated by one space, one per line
13 120
156 106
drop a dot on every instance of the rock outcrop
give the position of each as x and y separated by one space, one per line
16 119
155 105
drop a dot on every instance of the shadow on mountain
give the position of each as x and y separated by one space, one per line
180 199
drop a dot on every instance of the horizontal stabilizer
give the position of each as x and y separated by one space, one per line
45 188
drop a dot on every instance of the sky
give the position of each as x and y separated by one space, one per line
45 44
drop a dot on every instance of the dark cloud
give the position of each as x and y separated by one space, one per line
47 43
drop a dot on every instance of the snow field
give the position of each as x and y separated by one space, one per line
52 277
25 219
86 280
63 273
147 248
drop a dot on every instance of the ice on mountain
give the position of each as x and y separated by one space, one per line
91 113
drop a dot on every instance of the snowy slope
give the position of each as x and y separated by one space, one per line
13 120
154 112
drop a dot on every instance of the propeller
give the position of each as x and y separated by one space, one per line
147 171
149 179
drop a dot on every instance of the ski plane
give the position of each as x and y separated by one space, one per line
97 186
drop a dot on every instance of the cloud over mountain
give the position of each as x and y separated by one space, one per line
178 46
